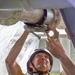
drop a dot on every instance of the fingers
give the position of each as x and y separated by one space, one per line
51 28
56 33
47 34
48 46
51 46
50 43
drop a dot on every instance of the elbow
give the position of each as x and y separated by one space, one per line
7 62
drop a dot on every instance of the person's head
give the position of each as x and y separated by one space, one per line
40 62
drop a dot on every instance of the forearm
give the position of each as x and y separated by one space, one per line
68 66
16 48
64 70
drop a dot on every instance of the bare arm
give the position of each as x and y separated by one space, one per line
64 72
55 47
11 65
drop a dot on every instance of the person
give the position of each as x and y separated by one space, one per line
56 49
63 73
12 67
39 63
68 36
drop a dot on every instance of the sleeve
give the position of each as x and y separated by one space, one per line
20 72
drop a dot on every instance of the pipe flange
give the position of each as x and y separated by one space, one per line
51 17
57 17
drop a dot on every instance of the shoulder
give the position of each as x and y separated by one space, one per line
20 71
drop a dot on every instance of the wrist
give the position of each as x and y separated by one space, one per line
26 32
63 57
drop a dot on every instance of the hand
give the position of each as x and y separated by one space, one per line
56 33
53 44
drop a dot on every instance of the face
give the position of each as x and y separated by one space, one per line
41 62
